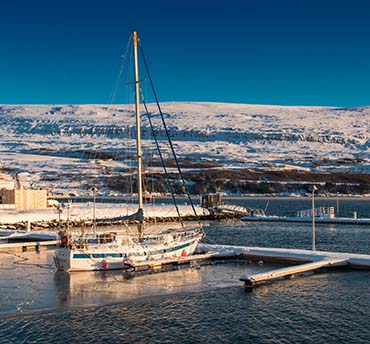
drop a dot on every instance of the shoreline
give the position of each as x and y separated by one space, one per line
108 213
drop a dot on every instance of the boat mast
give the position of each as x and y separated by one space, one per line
138 134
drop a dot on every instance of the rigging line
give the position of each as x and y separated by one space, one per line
162 161
124 58
128 98
116 83
167 132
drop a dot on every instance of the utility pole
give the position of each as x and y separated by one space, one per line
94 190
337 204
314 188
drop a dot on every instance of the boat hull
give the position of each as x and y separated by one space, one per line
116 258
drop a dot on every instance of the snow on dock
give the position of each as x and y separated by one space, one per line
308 260
292 270
27 235
27 246
21 241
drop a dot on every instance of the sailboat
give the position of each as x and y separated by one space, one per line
108 251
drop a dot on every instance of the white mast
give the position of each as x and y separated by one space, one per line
138 134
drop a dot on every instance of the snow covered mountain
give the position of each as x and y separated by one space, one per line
67 146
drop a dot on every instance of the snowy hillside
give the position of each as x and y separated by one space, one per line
65 146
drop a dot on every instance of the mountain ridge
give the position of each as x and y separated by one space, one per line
247 136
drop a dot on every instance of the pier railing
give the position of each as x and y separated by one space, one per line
240 210
324 212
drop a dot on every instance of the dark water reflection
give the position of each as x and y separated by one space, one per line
195 305
319 309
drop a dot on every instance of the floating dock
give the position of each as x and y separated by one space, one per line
12 236
299 261
252 280
21 241
303 261
159 264
336 220
27 246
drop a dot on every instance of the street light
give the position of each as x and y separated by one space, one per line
94 190
337 205
314 188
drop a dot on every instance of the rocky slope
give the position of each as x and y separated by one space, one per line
71 147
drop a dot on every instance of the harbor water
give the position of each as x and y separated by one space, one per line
199 304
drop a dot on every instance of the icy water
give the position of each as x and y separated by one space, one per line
206 304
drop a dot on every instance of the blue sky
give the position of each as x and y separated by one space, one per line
288 52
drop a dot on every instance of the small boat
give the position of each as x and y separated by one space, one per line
108 251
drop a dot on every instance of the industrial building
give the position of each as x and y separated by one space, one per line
13 194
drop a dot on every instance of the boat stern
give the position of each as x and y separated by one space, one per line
62 259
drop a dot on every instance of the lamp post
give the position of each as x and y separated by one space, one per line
314 188
337 205
94 190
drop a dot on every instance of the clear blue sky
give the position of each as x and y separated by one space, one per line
289 52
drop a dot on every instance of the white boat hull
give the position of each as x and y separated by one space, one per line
114 257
